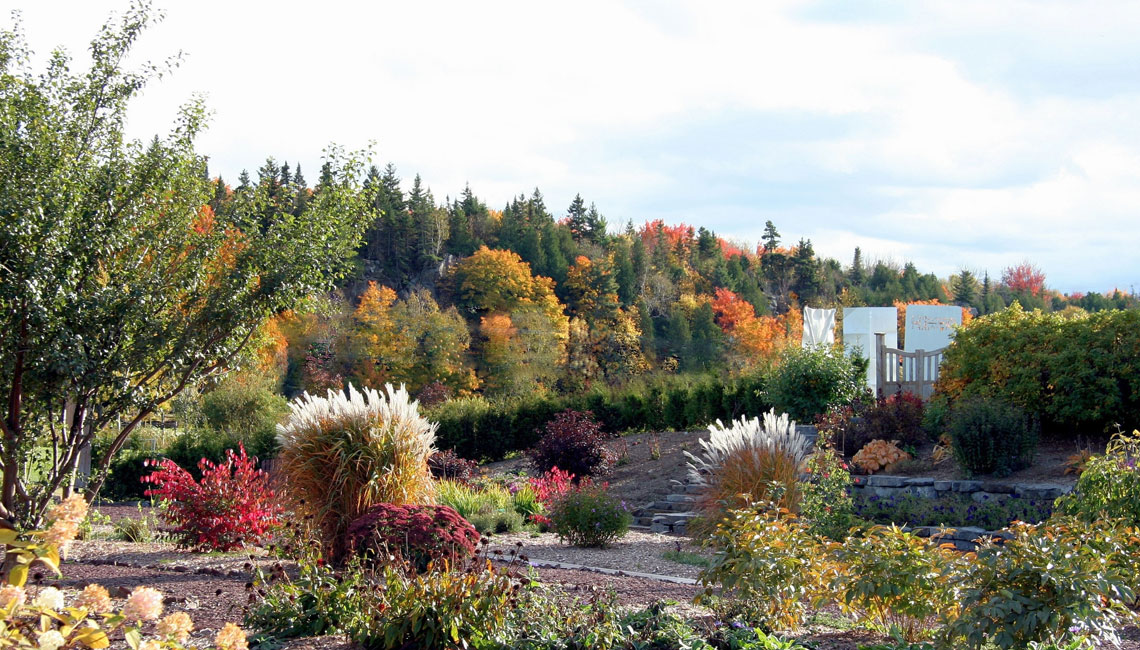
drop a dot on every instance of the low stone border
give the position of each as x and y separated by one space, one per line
881 485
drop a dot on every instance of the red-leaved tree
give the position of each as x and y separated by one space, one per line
1024 278
231 506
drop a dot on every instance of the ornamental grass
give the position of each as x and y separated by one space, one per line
749 461
346 452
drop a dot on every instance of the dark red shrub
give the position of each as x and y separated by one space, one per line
573 442
898 417
448 464
433 394
231 506
417 535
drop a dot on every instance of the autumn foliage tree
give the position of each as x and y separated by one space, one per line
410 341
754 340
1024 278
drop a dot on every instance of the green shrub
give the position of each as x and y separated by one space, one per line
809 381
768 565
343 454
123 482
588 516
1050 583
484 430
1077 374
249 409
497 522
990 436
826 501
894 582
389 609
1109 488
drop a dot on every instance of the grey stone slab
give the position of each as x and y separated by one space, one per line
919 481
680 498
926 492
997 488
967 486
988 497
943 486
886 481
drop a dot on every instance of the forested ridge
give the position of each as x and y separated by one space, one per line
526 297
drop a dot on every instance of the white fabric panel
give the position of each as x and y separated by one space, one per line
819 327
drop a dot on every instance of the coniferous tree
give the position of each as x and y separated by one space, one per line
576 218
771 237
858 274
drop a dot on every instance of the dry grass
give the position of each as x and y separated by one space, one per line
747 462
341 455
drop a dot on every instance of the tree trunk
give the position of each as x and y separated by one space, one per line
13 426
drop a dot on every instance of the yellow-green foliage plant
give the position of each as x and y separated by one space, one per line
346 452
1059 582
768 568
895 582
43 619
749 461
1109 486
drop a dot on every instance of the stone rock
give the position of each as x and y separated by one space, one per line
943 486
967 486
919 481
886 481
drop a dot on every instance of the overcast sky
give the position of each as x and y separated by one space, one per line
957 134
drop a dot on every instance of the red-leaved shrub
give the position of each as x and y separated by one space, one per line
433 394
448 464
417 535
574 442
552 485
231 506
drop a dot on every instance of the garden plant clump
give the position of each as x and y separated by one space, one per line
750 460
344 453
587 516
46 621
573 442
231 506
417 535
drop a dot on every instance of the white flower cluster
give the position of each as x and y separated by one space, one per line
775 433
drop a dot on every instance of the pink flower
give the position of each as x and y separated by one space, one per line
144 604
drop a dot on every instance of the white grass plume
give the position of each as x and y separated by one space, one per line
775 433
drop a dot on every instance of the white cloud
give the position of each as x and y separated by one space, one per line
969 151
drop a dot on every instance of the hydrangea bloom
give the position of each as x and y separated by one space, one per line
144 604
231 637
177 625
49 598
95 599
12 594
50 640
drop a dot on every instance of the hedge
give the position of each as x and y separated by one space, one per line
1077 374
482 430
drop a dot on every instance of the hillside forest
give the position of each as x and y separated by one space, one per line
470 299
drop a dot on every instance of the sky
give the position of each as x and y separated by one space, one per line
957 134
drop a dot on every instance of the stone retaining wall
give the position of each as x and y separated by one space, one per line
881 485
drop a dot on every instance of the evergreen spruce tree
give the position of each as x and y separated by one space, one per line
707 339
858 275
595 225
771 237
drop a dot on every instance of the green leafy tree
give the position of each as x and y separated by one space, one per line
119 286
